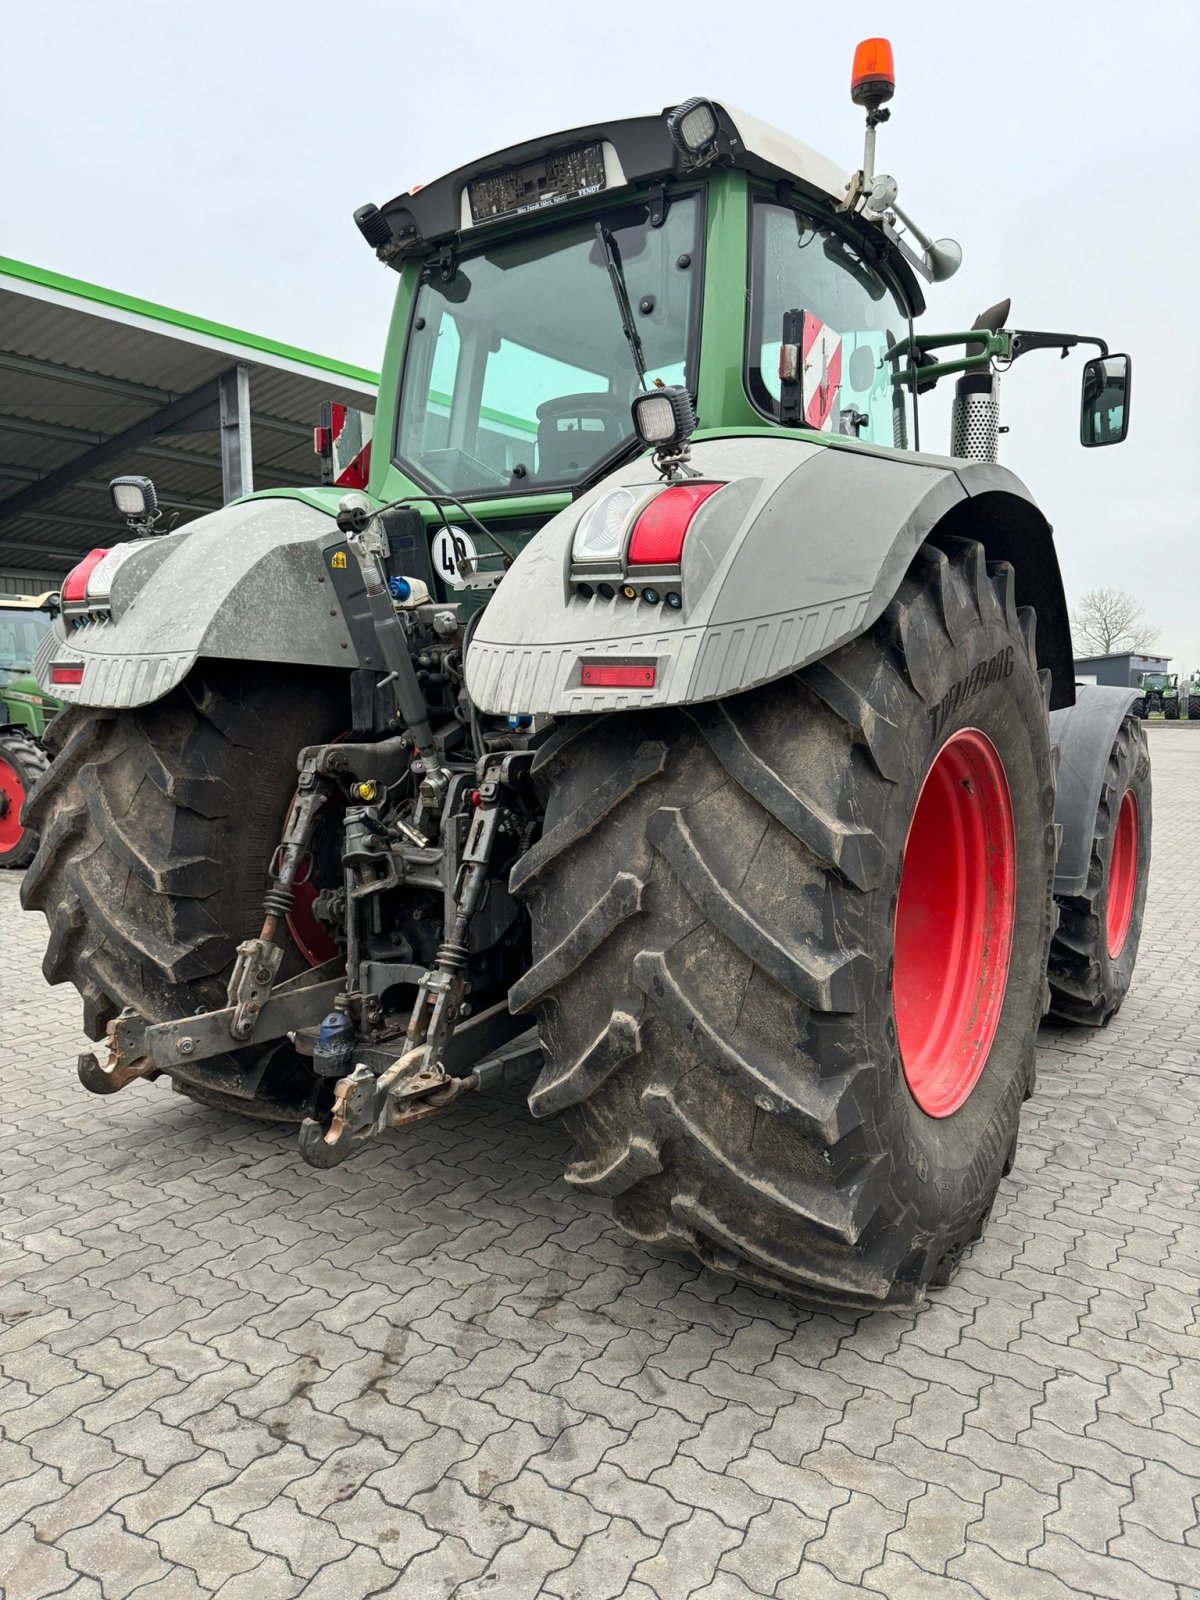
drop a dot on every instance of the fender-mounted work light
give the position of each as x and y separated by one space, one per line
873 76
134 498
664 417
693 128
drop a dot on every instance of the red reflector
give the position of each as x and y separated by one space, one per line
66 674
658 534
596 677
76 582
323 441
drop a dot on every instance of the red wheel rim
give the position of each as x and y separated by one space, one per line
12 798
954 922
1122 875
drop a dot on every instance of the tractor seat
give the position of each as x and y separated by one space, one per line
575 431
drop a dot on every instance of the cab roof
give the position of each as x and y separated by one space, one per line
635 150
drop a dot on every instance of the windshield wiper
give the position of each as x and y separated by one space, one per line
616 276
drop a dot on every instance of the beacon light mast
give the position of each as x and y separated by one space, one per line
872 85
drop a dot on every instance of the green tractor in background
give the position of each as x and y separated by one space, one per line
1193 697
25 712
1160 692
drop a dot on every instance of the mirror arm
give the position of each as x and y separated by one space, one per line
989 347
1023 342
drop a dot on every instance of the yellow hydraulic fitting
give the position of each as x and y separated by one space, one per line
366 791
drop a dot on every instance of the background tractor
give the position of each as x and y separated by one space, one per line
25 712
1193 697
1159 694
662 721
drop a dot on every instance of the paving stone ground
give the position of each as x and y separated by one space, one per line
436 1371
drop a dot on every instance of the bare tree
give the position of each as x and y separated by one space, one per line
1110 621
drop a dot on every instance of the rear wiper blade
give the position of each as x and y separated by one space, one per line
616 276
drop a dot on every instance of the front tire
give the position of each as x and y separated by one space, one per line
714 908
1095 948
157 826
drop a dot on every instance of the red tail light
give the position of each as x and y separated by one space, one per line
658 534
76 582
66 674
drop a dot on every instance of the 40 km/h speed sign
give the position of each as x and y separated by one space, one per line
448 549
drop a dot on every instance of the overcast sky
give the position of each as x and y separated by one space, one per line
208 154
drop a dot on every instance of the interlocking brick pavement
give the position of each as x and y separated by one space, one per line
436 1371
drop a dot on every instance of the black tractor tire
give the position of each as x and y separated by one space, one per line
1171 710
1194 708
1138 709
713 900
23 761
1088 981
157 828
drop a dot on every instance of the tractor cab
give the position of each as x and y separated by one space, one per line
697 252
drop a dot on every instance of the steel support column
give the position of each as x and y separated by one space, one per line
237 461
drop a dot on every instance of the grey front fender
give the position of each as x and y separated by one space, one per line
1085 734
800 552
252 582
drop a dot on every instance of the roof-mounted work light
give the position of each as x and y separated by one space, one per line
373 226
693 128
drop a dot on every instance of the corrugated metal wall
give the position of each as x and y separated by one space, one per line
29 582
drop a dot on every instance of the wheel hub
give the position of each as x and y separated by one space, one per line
954 922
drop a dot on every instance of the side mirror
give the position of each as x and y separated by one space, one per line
1104 404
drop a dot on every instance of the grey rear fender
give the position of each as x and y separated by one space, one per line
800 552
257 581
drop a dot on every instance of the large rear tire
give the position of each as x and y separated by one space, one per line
1194 707
714 906
22 763
1095 948
157 826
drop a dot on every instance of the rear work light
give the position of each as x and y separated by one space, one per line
658 534
76 582
596 676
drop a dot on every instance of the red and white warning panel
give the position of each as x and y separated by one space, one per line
821 357
342 439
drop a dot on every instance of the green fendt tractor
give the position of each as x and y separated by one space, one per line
664 722
25 711
1193 697
1159 694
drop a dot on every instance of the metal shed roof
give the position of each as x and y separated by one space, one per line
94 383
